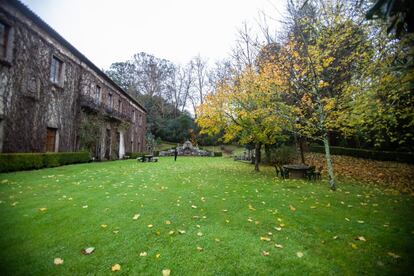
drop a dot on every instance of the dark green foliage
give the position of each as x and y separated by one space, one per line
281 155
27 161
135 155
218 154
406 157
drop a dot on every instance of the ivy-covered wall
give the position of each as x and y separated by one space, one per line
30 102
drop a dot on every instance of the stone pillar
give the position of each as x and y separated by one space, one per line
121 145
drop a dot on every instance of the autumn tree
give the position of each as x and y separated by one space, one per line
323 51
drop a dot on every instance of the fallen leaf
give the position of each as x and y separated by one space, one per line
361 238
150 225
293 209
278 228
167 222
353 245
42 209
299 254
136 216
193 206
85 206
199 234
58 261
171 232
264 238
265 253
116 267
199 248
158 255
395 256
88 251
104 225
278 245
143 254
166 272
361 221
181 231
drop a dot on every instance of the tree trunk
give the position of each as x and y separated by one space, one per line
302 155
257 156
329 162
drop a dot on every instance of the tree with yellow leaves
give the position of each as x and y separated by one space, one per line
244 109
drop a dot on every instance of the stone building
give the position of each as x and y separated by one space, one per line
54 99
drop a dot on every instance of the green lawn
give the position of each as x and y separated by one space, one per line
223 207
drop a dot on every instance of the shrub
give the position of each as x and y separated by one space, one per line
135 155
218 154
10 162
406 157
282 155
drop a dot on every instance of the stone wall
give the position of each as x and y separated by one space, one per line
30 102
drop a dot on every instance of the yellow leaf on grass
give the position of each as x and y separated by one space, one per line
181 231
199 234
143 254
361 238
58 261
264 238
299 254
166 272
395 256
150 225
136 216
278 245
199 248
158 255
167 222
293 209
116 267
104 225
265 253
353 245
42 209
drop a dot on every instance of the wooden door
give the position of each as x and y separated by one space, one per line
51 139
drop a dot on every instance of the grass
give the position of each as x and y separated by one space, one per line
235 207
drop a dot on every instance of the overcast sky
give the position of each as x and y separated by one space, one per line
107 31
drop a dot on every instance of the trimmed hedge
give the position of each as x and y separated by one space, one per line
405 157
10 162
135 155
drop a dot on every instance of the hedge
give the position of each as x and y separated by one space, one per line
135 155
10 162
218 154
406 157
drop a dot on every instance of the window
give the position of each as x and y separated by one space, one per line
140 119
56 70
98 94
110 101
51 139
133 116
4 39
120 105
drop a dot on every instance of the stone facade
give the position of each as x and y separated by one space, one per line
52 98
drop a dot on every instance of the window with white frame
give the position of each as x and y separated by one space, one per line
110 101
56 70
98 94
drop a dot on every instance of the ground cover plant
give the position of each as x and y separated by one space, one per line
198 216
